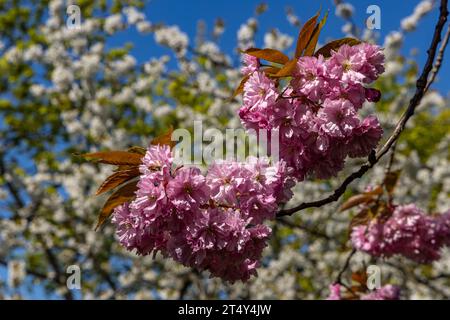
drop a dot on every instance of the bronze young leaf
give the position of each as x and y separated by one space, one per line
335 45
357 200
305 35
165 139
137 149
362 218
287 69
309 50
390 180
240 88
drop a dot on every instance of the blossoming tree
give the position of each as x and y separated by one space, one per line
254 229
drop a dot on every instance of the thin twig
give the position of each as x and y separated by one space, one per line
32 272
421 85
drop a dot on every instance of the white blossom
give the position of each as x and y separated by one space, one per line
344 10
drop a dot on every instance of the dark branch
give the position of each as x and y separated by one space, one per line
421 86
29 271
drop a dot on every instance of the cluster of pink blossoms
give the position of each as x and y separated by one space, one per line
387 292
209 222
408 232
316 114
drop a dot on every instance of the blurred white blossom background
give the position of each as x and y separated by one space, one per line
66 91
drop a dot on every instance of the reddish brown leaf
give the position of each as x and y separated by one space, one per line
350 296
165 139
271 70
309 50
122 195
240 88
117 179
115 157
362 218
375 192
357 200
271 55
287 69
335 45
305 35
138 150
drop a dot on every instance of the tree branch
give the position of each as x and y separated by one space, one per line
422 85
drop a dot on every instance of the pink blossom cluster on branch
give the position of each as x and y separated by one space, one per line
408 232
316 114
210 222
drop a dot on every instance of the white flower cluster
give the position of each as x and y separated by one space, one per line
410 23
